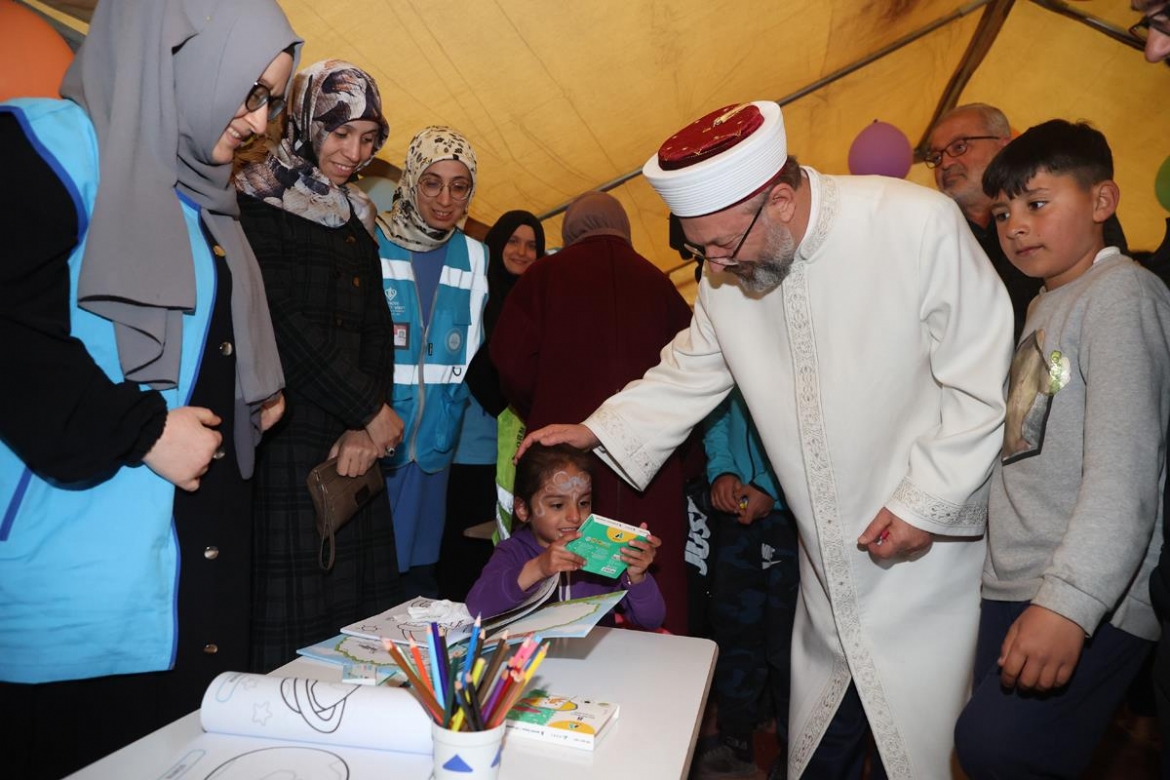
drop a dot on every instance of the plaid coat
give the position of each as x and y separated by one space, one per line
333 329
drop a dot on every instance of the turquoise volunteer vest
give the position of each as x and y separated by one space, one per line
89 573
430 365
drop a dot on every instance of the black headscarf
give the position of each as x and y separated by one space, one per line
500 279
482 378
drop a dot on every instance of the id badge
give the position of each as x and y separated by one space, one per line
401 335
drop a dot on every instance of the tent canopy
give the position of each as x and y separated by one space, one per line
559 99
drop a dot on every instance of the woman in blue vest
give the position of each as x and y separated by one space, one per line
435 281
313 234
138 357
514 243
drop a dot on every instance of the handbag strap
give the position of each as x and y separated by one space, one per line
327 538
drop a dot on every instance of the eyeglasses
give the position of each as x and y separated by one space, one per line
700 253
1159 21
956 148
259 96
460 189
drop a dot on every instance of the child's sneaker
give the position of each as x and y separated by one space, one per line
724 761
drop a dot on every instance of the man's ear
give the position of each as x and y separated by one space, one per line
782 202
1106 195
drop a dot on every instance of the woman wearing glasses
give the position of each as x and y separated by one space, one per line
139 358
313 233
435 284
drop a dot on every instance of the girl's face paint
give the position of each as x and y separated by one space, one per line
560 506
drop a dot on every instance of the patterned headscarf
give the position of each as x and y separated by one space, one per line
325 96
161 80
402 223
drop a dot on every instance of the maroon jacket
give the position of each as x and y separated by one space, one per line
578 327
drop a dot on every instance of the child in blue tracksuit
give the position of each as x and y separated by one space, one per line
755 580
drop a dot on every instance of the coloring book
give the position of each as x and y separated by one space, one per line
265 727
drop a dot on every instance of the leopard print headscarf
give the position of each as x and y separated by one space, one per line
402 223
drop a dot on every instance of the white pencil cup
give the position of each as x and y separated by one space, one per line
467 755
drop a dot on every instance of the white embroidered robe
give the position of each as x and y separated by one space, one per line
875 374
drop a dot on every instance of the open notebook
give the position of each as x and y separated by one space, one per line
258 726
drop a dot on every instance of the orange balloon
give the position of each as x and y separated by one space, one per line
33 57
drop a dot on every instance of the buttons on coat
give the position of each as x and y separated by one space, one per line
211 553
211 648
226 349
350 239
218 250
219 453
357 281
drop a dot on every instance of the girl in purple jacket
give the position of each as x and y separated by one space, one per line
553 497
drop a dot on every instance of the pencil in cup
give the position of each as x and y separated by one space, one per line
420 692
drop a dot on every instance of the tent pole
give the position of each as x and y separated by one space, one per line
989 26
906 40
1100 25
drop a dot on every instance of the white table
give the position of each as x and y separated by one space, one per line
660 682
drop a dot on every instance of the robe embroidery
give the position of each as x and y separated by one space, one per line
826 513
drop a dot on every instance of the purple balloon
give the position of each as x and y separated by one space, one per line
881 149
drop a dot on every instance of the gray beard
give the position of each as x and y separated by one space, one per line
772 268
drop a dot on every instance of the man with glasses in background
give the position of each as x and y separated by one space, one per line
962 143
870 340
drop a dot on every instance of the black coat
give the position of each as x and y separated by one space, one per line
334 333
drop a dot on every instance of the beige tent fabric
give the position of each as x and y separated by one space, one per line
562 98
1044 66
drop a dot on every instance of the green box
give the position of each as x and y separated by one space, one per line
601 542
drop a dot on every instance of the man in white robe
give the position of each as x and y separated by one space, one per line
870 338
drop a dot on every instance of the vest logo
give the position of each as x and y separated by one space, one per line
454 340
397 310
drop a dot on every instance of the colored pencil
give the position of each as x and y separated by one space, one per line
416 687
457 722
535 662
436 674
467 696
422 667
449 675
488 680
472 647
477 671
507 699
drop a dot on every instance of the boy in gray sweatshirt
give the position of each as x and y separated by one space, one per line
1076 495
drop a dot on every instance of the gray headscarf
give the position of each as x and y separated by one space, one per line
161 80
595 214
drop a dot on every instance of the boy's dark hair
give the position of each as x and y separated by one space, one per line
539 462
1056 146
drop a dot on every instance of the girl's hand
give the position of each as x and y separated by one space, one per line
554 560
639 554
